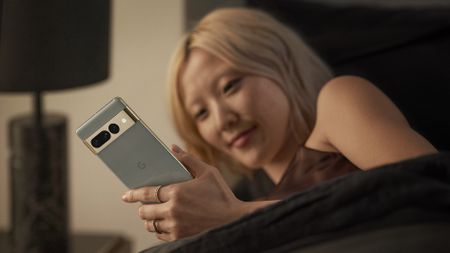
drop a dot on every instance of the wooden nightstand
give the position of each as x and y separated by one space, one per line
83 243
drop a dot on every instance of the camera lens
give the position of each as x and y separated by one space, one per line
100 139
114 128
95 143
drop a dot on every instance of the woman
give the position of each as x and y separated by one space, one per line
248 93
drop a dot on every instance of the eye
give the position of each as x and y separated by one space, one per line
231 85
200 114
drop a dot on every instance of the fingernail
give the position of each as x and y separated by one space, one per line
125 196
176 149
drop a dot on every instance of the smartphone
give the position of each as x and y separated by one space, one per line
130 148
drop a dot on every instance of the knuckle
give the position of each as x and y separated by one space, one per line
141 212
175 229
165 213
162 237
184 158
170 213
147 194
173 192
209 174
148 227
182 155
131 196
177 215
173 212
171 226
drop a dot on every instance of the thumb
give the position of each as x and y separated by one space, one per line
194 165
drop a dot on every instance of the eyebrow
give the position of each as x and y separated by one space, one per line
227 72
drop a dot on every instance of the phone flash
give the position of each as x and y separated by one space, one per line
124 120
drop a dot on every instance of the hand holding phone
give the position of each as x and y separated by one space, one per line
130 148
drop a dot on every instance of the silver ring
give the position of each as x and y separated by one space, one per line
155 227
157 199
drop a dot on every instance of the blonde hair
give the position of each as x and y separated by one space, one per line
255 43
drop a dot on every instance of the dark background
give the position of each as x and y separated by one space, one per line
404 50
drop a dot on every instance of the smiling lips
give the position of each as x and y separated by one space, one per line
242 139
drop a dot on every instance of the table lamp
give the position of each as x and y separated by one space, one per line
46 45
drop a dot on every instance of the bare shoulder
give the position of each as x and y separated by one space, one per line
352 94
358 120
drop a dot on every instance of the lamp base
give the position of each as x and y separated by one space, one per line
38 167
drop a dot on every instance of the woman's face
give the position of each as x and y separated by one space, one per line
242 115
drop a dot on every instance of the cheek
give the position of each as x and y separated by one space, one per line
274 113
208 135
273 110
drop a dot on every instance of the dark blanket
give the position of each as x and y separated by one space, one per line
407 193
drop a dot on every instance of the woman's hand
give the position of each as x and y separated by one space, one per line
190 207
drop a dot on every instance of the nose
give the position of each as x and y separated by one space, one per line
225 117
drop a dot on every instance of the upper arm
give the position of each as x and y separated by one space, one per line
358 120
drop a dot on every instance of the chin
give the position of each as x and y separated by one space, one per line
252 159
251 164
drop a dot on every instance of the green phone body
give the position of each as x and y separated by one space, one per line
130 148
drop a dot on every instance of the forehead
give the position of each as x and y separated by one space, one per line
200 70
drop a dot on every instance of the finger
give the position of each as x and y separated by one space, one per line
195 166
151 212
148 224
147 194
164 237
156 226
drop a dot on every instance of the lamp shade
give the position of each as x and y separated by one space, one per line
53 44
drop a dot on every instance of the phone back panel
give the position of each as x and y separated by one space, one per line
137 157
